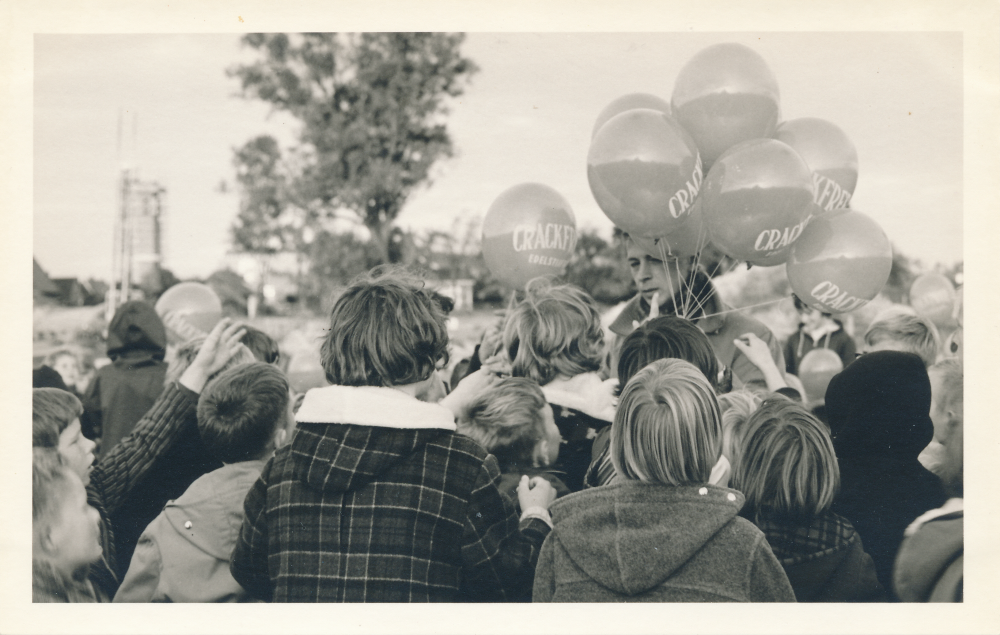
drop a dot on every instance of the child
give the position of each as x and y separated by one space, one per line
65 533
661 533
736 407
262 345
65 362
904 332
788 472
183 555
878 409
514 423
376 498
554 337
930 564
661 338
123 391
816 330
119 482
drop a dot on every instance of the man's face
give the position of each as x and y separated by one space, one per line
656 275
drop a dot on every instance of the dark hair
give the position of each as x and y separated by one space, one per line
385 330
799 305
262 345
47 377
667 337
52 410
240 409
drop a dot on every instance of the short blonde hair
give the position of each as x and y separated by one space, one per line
555 330
787 466
508 420
915 334
736 407
667 428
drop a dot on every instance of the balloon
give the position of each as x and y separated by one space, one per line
644 172
816 369
724 95
830 155
687 240
933 296
629 102
841 261
758 199
194 305
529 231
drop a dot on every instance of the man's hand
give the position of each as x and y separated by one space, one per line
219 347
654 311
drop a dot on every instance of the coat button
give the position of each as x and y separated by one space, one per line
703 491
187 525
731 496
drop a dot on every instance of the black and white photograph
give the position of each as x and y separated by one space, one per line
598 304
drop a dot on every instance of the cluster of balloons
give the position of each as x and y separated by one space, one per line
715 167
718 166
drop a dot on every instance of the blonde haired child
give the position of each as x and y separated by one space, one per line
787 469
661 533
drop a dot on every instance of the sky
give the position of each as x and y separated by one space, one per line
526 116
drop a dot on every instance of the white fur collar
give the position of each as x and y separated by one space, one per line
372 406
950 506
585 392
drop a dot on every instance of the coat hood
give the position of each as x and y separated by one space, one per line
206 514
136 327
631 536
348 436
586 393
879 408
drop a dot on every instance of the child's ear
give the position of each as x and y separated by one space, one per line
542 453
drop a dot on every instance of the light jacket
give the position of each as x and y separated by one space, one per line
639 542
930 564
183 556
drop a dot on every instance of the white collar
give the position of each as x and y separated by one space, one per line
586 393
951 506
372 406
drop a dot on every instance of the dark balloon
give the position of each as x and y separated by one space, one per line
841 261
758 198
724 95
644 172
529 231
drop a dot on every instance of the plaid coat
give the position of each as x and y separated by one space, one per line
376 499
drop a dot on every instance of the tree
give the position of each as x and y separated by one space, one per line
372 109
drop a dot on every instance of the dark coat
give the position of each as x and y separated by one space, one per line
118 478
641 542
122 392
377 499
878 410
825 560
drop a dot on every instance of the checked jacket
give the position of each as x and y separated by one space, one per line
377 499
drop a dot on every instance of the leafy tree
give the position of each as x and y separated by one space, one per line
371 108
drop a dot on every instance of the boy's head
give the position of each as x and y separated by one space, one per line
554 331
65 362
55 424
65 528
385 330
787 466
809 317
947 415
667 337
904 333
667 428
245 412
736 407
186 352
262 345
655 272
514 423
136 326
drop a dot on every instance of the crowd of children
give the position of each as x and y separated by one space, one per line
676 460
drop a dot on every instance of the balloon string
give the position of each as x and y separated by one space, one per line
752 306
666 270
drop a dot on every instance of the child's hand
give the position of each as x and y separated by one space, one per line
755 349
536 492
490 343
654 311
220 346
